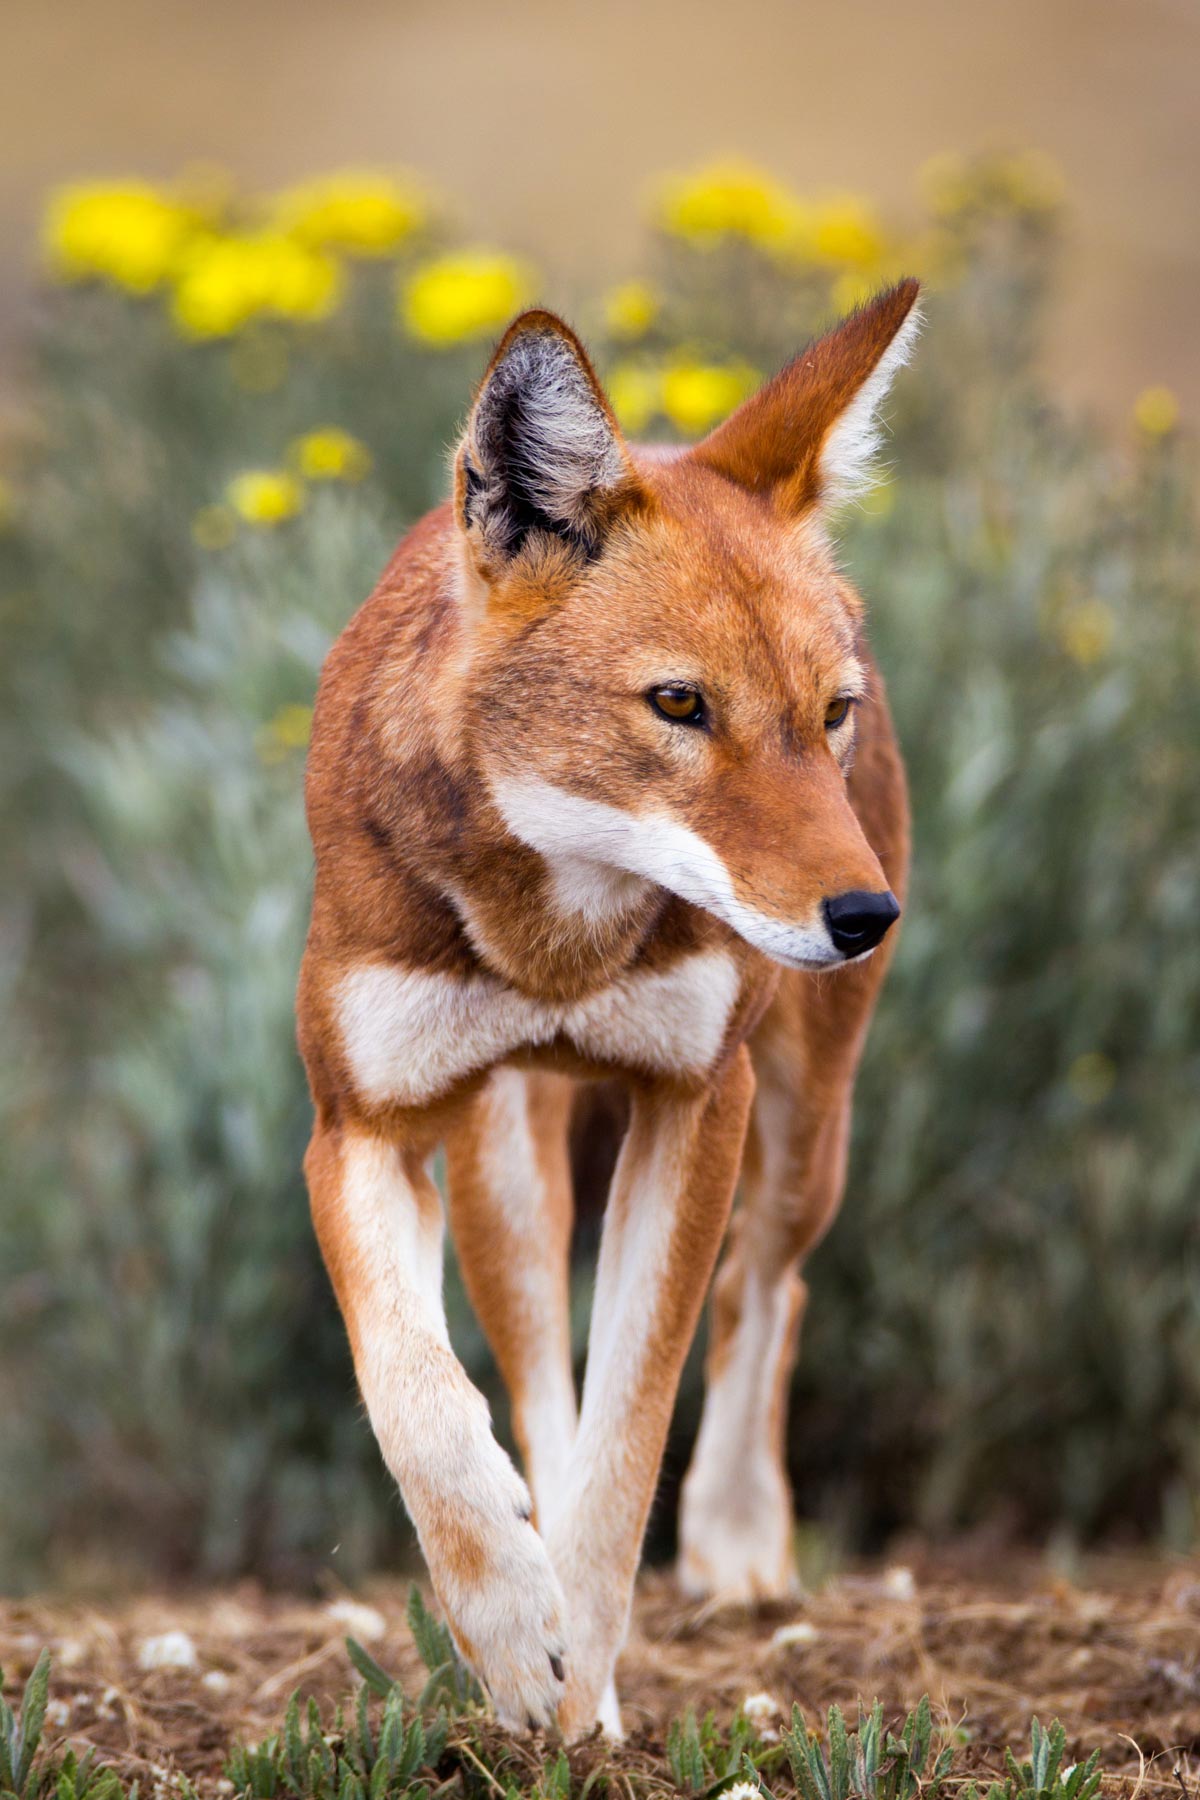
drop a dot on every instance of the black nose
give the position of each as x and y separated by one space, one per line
858 920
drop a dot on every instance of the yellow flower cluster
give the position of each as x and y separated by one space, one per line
727 199
358 213
692 395
840 232
126 233
225 282
736 200
266 498
282 260
630 309
330 454
467 295
224 264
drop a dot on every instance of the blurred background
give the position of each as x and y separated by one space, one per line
253 261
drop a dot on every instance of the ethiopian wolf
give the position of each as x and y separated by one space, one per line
602 785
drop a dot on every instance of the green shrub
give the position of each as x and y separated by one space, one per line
1007 1316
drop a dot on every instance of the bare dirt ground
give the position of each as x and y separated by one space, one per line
1116 1657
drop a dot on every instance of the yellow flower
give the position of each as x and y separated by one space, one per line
1091 1077
1156 411
126 233
635 390
226 281
847 233
727 199
362 213
1085 631
841 232
631 309
467 294
695 395
289 730
330 454
265 496
214 527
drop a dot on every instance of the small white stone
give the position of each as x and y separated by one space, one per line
171 1650
216 1681
800 1632
898 1583
361 1621
58 1712
760 1709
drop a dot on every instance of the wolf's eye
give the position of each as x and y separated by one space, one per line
682 704
837 712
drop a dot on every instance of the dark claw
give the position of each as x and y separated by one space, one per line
556 1664
531 1723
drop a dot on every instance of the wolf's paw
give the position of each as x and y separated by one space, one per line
735 1541
506 1612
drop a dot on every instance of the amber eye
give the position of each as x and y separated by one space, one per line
682 704
837 712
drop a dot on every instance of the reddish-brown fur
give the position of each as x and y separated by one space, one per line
468 667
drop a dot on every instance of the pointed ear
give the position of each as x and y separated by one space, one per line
542 451
810 434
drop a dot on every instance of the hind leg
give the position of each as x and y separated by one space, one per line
736 1511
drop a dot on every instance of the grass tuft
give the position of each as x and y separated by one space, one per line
382 1745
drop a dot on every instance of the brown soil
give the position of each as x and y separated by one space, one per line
1116 1657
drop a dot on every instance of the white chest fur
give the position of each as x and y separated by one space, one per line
409 1035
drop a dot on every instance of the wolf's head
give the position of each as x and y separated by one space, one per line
665 663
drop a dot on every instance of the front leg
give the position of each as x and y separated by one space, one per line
666 1216
508 1195
379 1221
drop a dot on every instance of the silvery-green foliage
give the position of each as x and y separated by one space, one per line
1006 1317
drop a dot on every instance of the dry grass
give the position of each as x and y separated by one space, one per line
1116 1657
